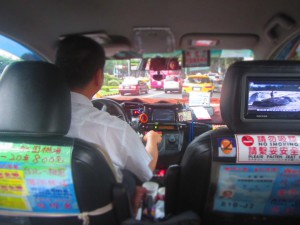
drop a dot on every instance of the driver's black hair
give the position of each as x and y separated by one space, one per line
79 58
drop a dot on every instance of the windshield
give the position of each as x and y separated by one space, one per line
193 82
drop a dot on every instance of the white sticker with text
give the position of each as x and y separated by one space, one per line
271 148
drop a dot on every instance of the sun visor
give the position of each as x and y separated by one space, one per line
153 39
112 44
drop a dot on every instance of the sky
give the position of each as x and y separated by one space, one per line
14 48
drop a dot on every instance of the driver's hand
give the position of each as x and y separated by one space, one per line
153 137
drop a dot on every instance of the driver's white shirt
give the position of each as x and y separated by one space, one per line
114 135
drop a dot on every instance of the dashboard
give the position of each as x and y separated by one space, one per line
164 119
170 120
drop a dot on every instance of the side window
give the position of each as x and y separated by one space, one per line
290 50
11 51
295 52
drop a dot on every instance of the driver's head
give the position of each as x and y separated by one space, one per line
80 58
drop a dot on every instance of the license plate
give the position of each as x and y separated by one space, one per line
158 83
197 89
126 87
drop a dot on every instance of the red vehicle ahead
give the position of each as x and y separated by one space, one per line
132 85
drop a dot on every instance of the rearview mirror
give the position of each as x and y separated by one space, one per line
158 77
161 63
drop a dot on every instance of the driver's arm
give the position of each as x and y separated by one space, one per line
152 140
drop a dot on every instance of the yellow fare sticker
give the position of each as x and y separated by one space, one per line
12 182
13 203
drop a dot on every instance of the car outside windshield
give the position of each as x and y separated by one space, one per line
213 75
198 80
130 81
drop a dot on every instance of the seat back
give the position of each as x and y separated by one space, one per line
50 178
246 173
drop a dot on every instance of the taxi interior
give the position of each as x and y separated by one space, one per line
226 158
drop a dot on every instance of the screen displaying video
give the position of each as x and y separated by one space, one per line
273 99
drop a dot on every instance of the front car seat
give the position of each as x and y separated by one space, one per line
47 178
248 172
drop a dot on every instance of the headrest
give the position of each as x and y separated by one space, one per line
34 100
262 96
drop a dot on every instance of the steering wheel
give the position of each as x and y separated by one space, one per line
112 107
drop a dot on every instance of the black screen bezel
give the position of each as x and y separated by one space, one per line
247 116
160 111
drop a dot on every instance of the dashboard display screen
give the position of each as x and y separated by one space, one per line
167 127
163 116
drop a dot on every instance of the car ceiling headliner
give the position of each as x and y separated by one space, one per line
39 23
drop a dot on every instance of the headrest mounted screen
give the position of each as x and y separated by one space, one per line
271 97
256 95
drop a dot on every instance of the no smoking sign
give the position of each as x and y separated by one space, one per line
248 140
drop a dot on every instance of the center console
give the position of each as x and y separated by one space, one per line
163 118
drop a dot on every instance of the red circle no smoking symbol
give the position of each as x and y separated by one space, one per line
248 140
